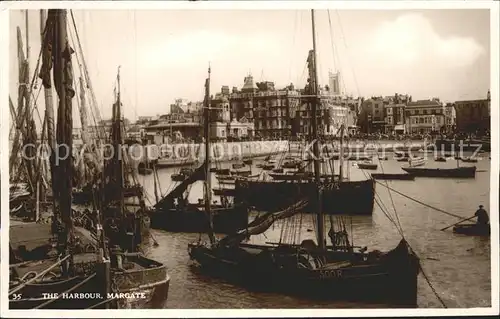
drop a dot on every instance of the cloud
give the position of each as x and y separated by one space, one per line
202 46
411 39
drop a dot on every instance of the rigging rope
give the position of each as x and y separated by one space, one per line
420 202
345 44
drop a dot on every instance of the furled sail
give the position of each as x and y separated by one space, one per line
198 175
263 223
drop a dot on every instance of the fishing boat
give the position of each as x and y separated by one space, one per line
109 264
144 170
367 165
469 160
472 229
293 163
267 166
278 170
222 171
416 161
241 172
238 165
311 269
223 191
458 172
291 176
174 212
393 176
182 175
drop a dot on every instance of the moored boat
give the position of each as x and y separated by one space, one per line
367 165
459 172
394 176
472 229
174 212
312 269
109 251
468 160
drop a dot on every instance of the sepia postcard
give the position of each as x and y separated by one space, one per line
267 158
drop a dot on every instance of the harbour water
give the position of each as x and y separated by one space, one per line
457 266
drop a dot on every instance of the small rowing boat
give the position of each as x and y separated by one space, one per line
472 229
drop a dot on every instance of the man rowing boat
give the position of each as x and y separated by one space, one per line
482 216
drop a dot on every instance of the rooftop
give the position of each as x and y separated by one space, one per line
424 103
173 125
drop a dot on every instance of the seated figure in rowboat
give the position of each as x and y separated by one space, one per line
482 216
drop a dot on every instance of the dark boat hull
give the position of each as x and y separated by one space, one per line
459 172
384 176
194 219
392 279
142 288
367 166
144 171
472 230
350 198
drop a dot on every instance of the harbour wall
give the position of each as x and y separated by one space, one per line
188 153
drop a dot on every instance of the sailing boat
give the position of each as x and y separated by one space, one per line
313 269
174 213
101 272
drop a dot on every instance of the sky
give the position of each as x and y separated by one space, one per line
164 54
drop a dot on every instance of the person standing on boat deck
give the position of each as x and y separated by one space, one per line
482 216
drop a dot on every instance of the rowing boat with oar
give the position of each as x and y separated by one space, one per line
472 229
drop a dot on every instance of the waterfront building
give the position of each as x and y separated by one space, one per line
395 113
474 116
425 117
331 114
269 109
371 118
169 132
179 106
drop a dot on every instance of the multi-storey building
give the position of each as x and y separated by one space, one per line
269 109
331 114
371 118
474 116
179 106
425 117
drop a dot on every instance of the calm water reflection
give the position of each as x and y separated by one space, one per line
458 266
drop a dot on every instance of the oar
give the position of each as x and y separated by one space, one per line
463 220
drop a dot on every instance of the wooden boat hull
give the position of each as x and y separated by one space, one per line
224 192
459 172
193 219
392 278
384 176
145 286
367 166
350 198
472 230
144 171
178 177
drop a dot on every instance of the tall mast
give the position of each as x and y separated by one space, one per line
63 79
47 92
208 188
314 124
118 142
